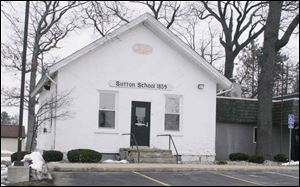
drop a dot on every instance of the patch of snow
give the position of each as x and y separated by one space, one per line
109 161
3 175
35 160
6 158
6 152
37 163
292 163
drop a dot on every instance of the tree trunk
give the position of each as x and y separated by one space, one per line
265 85
31 104
229 59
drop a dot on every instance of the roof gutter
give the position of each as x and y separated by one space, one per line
41 83
48 76
225 91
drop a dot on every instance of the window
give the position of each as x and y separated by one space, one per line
172 114
106 115
254 134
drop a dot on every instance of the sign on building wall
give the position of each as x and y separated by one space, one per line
140 85
291 121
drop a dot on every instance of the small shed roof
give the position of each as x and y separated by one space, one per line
11 131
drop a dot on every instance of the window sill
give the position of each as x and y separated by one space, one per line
107 131
173 134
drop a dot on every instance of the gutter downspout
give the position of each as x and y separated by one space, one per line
47 75
225 91
54 126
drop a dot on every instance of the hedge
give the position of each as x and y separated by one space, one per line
256 159
238 157
14 156
52 156
280 158
84 156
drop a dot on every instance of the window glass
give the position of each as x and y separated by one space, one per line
140 113
172 105
172 114
254 134
172 122
107 119
107 101
106 115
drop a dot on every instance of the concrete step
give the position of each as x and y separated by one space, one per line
151 150
171 160
148 155
151 155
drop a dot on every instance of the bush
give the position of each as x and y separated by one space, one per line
14 156
84 155
221 162
52 156
280 158
256 159
238 157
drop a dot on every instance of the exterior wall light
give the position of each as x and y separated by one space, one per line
200 86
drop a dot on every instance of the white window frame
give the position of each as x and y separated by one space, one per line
108 130
253 134
180 97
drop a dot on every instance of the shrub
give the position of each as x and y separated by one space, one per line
238 157
84 155
256 159
221 162
52 156
14 156
280 158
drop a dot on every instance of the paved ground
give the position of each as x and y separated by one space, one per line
193 178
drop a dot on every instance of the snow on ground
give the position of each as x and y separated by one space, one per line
3 174
292 163
6 152
5 159
109 161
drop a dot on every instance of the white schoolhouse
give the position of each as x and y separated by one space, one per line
139 79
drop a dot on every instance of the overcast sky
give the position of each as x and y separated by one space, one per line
85 36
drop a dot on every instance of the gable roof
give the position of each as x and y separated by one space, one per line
151 23
11 131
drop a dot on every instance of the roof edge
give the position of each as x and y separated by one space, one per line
197 59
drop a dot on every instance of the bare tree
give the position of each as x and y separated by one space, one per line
5 118
247 73
236 18
295 86
50 22
164 11
105 16
11 97
51 109
213 54
265 85
187 29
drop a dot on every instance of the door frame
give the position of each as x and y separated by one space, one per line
147 105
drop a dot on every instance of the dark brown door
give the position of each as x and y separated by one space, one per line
140 122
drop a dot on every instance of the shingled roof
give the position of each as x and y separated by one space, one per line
11 131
